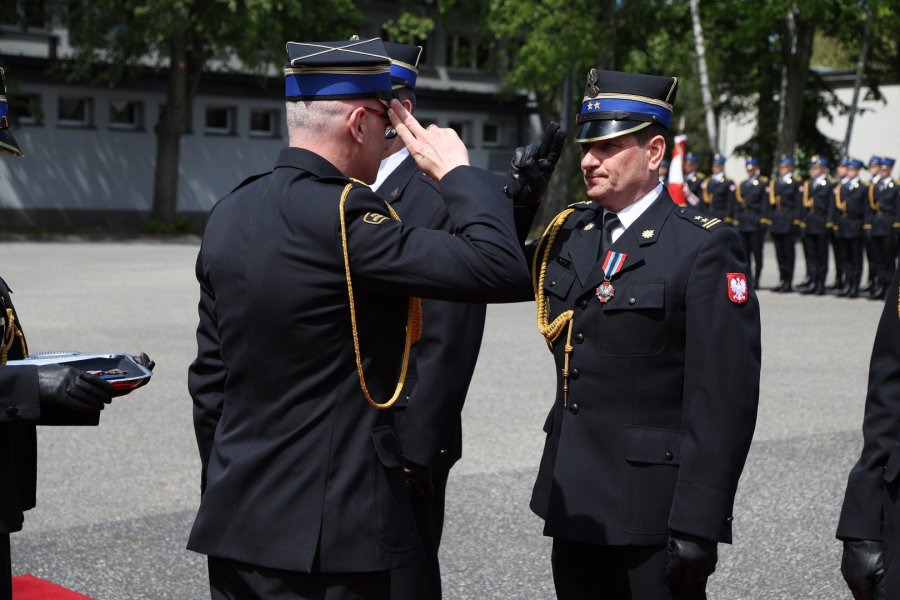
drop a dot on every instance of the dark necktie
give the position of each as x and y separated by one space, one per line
610 222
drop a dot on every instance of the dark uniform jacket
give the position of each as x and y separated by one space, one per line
299 471
664 381
882 207
719 197
694 182
750 203
19 411
850 206
786 204
871 509
818 205
442 362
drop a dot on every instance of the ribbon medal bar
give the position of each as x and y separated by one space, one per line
612 264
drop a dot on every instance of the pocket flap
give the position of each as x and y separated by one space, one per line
652 445
387 445
558 280
636 296
892 468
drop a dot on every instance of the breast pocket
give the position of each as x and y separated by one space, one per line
558 280
634 320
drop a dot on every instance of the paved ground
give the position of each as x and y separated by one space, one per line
116 502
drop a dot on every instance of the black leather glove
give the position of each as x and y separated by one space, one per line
65 389
862 566
532 166
144 361
418 478
691 559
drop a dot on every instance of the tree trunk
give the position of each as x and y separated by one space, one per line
171 124
712 129
857 83
796 53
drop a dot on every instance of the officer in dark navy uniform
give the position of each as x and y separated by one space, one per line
308 310
785 206
869 524
29 396
655 332
718 192
869 244
818 203
750 210
881 213
693 182
850 200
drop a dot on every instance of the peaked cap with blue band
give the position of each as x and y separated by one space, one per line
752 162
855 163
875 160
8 144
786 160
404 64
818 160
338 70
718 159
887 161
617 103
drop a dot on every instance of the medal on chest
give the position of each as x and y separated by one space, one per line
612 264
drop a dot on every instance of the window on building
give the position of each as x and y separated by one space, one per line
26 109
126 114
75 111
467 52
464 130
490 134
220 120
264 122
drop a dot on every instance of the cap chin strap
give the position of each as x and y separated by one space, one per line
413 317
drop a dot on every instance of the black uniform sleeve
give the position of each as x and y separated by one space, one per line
206 375
879 463
721 390
19 401
481 262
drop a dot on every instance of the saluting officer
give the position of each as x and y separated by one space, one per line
29 396
693 182
869 524
881 213
785 206
850 200
655 333
750 210
818 204
307 316
718 192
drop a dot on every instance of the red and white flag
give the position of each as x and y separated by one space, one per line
676 171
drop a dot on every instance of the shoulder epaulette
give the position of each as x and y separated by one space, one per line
250 180
701 175
698 219
764 178
584 204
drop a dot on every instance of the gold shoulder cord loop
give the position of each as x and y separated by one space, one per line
13 332
551 330
807 201
872 203
772 199
739 195
413 319
840 204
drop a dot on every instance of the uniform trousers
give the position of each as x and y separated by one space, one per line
815 250
851 259
752 241
884 256
5 568
786 254
423 581
583 571
235 580
838 265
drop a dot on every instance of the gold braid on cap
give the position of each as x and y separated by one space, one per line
550 330
413 317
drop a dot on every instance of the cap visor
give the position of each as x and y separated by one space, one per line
8 144
595 131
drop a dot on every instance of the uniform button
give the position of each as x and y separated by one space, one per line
574 408
583 304
12 411
443 451
669 455
552 283
632 300
575 374
579 338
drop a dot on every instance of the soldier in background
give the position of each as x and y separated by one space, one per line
838 283
849 209
750 210
785 205
881 213
874 168
718 192
693 180
818 203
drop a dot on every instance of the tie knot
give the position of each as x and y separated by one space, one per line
610 221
